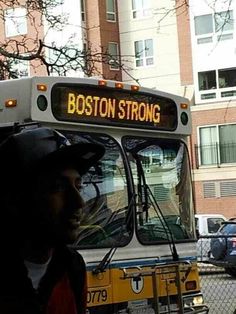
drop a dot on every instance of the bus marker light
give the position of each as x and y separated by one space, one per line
102 83
134 87
42 87
10 103
183 106
119 85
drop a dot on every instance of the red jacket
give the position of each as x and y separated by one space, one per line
62 290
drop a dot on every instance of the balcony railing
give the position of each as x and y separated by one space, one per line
215 154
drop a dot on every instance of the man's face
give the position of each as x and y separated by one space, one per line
58 206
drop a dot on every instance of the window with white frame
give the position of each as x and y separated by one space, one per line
203 24
21 68
111 10
113 57
143 52
207 80
219 83
217 144
218 26
224 22
227 77
141 8
15 22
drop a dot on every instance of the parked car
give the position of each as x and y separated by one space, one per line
223 247
207 225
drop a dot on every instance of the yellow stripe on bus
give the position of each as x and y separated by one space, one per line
110 287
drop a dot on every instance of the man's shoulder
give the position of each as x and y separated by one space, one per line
74 254
71 257
67 259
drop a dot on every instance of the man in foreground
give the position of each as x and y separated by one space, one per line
41 212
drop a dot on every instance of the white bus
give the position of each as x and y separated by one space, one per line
137 235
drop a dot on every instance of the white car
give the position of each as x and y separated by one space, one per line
206 226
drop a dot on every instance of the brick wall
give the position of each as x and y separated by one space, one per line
100 32
185 50
222 205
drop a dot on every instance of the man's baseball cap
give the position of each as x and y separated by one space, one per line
45 149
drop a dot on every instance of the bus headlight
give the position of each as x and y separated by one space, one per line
193 300
198 300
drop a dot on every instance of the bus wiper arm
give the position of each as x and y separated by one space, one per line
148 191
100 268
173 248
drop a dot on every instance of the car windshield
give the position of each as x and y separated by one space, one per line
228 228
161 173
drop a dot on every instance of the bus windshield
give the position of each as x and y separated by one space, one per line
105 221
161 173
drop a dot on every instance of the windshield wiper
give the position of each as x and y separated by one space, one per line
169 233
100 268
144 192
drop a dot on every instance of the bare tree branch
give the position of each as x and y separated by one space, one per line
62 58
55 58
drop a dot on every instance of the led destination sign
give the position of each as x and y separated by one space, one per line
108 106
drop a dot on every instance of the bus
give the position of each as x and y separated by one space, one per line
137 234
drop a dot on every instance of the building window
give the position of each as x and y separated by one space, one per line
218 26
113 52
141 8
217 144
20 68
208 150
227 77
111 10
15 22
219 83
207 80
224 21
82 9
143 52
203 24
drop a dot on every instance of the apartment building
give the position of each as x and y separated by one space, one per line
102 37
90 26
135 34
149 44
18 34
214 109
189 51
